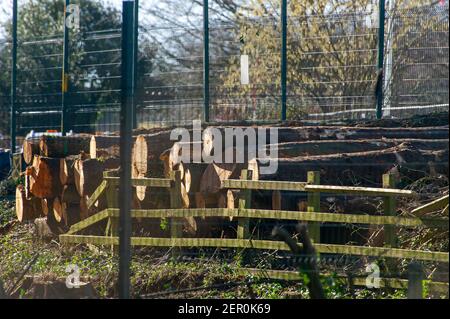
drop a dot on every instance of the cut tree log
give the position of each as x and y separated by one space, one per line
62 146
44 181
27 209
88 174
70 195
309 133
182 152
364 168
327 147
147 149
66 214
101 146
314 133
58 210
30 148
213 176
47 205
66 169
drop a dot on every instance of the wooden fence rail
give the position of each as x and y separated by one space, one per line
244 213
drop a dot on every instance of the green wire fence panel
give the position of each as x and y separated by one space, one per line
320 62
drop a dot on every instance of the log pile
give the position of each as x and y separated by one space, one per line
353 156
61 176
64 172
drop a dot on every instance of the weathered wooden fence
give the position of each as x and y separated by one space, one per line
244 213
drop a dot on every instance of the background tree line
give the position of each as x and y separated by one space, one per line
332 48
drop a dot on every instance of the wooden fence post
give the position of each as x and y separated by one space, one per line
243 230
314 206
390 209
176 230
276 200
415 276
112 201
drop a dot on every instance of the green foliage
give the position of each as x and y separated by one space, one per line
39 64
7 212
269 290
8 187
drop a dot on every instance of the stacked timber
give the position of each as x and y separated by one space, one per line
353 156
61 176
64 172
101 146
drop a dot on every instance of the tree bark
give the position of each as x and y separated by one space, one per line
44 181
327 147
27 209
88 174
101 145
66 168
148 149
62 146
363 168
30 148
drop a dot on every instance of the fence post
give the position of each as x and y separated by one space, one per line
126 128
14 79
390 209
112 227
135 59
65 74
314 206
243 229
206 61
176 230
380 62
415 277
283 59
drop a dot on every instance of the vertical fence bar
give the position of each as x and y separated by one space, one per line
135 59
314 206
126 127
380 62
283 59
206 61
13 80
65 74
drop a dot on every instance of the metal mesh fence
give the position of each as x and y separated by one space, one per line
332 73
5 88
331 62
416 66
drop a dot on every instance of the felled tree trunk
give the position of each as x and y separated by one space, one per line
65 214
47 205
101 146
308 133
147 149
364 168
66 168
326 147
30 148
70 195
27 209
213 176
88 174
62 146
44 181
